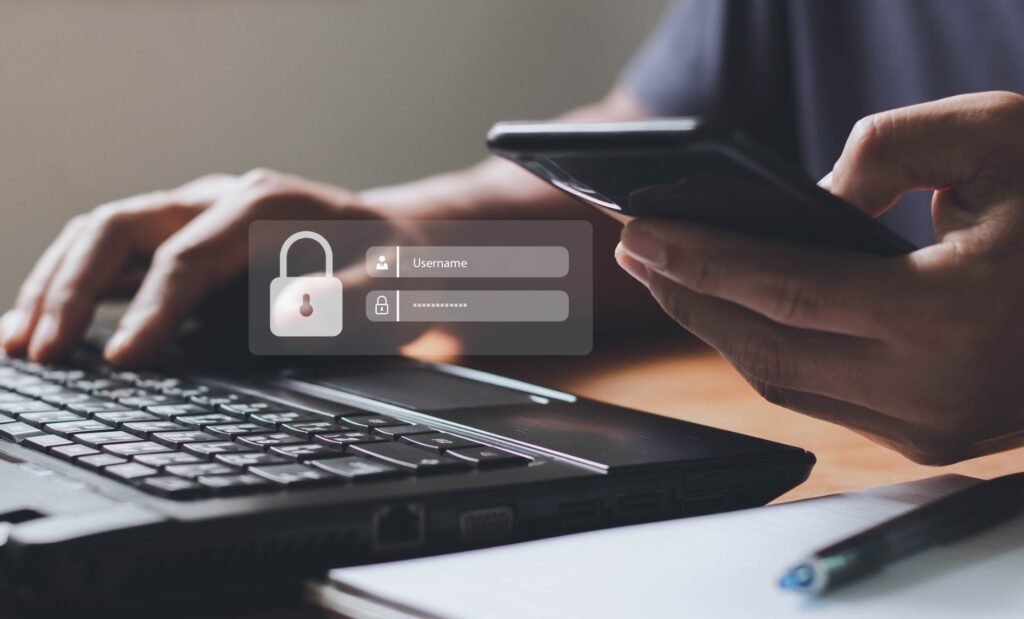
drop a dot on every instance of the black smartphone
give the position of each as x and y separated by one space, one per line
692 169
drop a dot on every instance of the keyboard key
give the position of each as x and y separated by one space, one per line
122 417
178 388
98 461
91 407
129 472
372 421
201 421
167 458
231 430
70 428
174 439
487 457
43 442
205 469
146 429
395 432
308 451
127 450
6 418
92 385
359 469
295 475
216 447
171 487
409 457
16 408
249 408
63 398
9 397
342 439
170 411
272 439
18 431
229 485
98 439
70 452
275 420
121 393
438 441
213 397
254 458
307 429
40 389
149 400
39 419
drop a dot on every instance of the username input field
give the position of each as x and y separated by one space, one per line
503 261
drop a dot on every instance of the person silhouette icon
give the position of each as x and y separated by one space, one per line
382 263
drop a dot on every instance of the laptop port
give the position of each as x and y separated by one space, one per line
579 514
698 506
640 505
486 525
397 527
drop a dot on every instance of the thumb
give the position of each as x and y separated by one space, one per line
949 144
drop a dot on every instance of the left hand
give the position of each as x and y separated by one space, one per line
921 352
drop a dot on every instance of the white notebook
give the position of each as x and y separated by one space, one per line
723 565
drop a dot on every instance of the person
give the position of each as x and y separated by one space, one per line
917 352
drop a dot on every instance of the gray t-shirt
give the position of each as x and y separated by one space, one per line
797 74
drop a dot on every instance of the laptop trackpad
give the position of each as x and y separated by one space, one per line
420 389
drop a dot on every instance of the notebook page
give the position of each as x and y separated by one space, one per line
724 565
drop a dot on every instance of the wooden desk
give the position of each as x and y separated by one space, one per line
680 378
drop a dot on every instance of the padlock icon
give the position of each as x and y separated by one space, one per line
309 306
381 307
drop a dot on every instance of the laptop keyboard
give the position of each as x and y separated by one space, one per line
179 439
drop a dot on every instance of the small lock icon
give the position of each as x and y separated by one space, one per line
381 307
308 306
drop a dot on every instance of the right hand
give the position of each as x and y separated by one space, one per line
195 238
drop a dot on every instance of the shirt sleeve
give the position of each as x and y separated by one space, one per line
724 59
678 69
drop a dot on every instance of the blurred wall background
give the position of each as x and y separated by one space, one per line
100 99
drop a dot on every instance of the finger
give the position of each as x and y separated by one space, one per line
927 146
812 288
919 443
836 366
208 251
93 264
18 324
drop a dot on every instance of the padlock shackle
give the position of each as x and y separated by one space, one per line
313 236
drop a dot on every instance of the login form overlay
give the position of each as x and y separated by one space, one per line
370 287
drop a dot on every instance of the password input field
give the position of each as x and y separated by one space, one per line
467 306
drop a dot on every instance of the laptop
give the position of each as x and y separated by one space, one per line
216 479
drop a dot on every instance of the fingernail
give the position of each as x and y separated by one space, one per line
12 326
43 336
643 246
116 343
630 265
826 182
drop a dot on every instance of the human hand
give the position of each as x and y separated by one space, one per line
919 352
195 238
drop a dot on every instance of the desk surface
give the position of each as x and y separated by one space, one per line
683 379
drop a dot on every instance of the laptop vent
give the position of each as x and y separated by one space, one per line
489 524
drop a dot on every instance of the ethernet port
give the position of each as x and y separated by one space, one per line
397 527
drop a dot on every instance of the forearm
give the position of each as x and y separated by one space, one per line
497 189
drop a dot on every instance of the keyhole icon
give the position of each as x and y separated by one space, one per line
306 309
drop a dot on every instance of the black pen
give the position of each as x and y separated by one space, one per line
953 517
